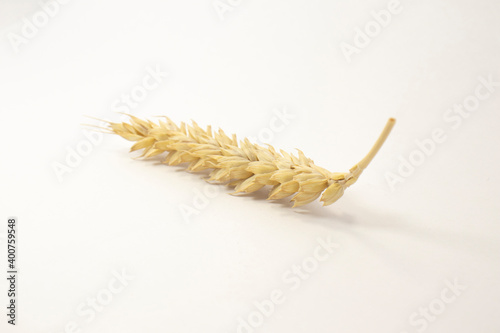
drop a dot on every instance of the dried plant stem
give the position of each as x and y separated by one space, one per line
358 168
244 165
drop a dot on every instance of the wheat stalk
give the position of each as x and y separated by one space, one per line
245 165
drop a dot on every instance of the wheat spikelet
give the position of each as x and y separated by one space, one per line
244 165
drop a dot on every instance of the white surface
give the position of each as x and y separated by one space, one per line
396 248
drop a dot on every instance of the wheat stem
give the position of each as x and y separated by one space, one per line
358 168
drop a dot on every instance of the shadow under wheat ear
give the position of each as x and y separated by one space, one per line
241 164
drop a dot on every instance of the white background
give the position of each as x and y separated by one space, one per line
397 248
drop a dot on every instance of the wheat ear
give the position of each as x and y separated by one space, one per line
244 165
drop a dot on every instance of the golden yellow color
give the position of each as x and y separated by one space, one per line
244 165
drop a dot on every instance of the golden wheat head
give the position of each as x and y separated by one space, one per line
244 165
